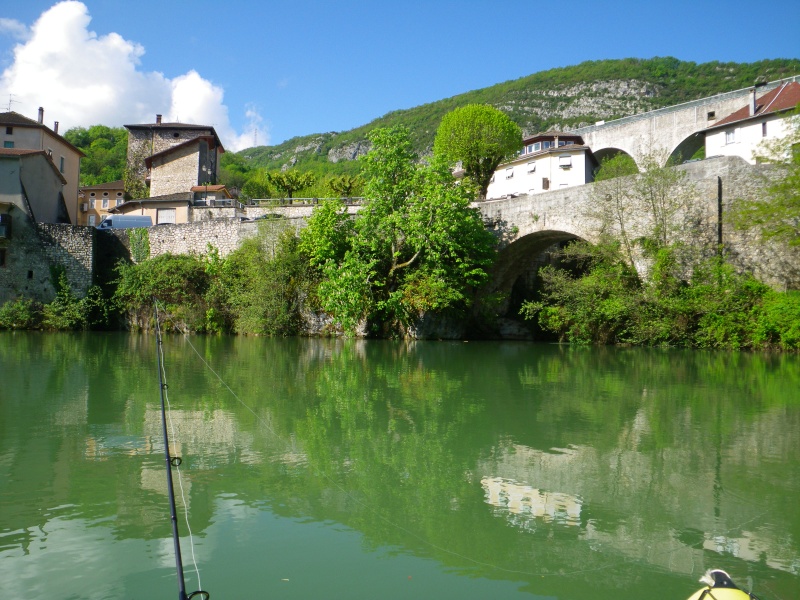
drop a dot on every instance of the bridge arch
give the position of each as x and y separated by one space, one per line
609 153
524 255
687 149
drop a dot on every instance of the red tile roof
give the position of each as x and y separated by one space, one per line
783 97
111 185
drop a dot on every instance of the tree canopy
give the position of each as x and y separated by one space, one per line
480 137
416 245
105 149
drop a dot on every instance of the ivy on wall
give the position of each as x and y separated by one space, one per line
140 244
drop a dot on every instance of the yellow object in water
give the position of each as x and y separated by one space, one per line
719 586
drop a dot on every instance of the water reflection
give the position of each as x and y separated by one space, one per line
620 466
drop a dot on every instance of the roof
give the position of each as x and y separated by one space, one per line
552 134
166 198
20 152
15 119
184 126
782 98
111 185
149 160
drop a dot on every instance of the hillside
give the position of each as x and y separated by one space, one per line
563 98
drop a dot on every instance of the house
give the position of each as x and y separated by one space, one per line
97 201
31 193
764 118
172 157
547 161
21 133
183 207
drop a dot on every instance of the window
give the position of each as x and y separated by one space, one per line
509 172
92 220
561 143
61 165
537 146
531 167
91 203
120 200
165 215
105 203
764 129
546 145
9 130
545 183
565 162
712 115
8 144
730 137
530 148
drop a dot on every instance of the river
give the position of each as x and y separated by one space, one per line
379 469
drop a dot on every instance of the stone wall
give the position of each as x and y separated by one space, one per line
34 249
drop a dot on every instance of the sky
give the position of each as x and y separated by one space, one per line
264 72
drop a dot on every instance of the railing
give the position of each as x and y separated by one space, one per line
217 203
267 202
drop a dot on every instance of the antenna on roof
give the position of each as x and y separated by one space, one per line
10 100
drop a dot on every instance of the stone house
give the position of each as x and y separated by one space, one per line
21 133
172 157
97 201
765 118
547 161
35 233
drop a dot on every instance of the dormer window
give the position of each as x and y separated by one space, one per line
537 146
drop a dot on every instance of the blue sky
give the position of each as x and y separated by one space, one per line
273 70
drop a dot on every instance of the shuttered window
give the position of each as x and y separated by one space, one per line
165 215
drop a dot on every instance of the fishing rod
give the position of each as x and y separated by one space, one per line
170 461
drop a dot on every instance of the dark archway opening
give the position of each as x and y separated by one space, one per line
692 148
516 281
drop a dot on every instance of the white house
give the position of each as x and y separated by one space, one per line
547 161
764 118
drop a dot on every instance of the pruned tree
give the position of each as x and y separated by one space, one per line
480 137
289 182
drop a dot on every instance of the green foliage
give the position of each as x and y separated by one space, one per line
619 165
106 151
22 313
597 298
291 181
416 245
777 214
345 186
179 282
140 243
480 137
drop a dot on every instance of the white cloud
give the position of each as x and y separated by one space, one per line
13 28
83 79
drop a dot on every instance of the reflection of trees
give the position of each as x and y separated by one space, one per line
394 440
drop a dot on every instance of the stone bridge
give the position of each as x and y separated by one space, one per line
672 131
529 224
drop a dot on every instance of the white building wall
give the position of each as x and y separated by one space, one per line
743 138
527 174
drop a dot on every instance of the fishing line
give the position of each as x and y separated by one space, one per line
175 463
397 526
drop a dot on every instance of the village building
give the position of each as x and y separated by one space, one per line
97 201
547 161
21 133
765 118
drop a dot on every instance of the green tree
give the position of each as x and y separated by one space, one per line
345 185
480 137
288 182
777 214
416 246
105 149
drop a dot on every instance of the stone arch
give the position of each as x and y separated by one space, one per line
518 257
684 151
606 153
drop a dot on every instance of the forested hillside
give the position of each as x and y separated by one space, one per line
563 98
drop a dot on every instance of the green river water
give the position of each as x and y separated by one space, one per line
320 469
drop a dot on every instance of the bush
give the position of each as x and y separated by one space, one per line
22 313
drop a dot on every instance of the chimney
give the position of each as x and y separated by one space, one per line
753 102
158 119
55 127
41 115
